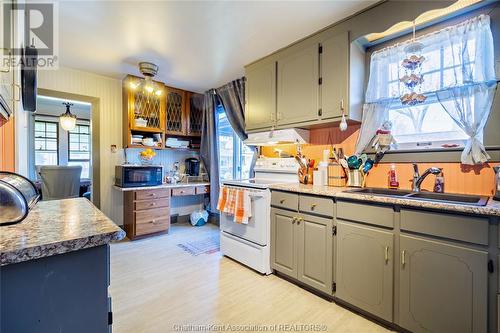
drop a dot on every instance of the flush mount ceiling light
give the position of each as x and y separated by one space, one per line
149 70
67 119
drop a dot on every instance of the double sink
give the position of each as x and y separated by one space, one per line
462 199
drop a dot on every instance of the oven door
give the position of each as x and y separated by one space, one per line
143 176
259 225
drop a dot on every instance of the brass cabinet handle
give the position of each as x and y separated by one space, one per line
300 219
386 254
294 219
282 201
403 259
313 206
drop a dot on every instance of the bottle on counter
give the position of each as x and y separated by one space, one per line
439 183
392 177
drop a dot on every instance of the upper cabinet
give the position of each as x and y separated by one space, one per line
306 84
334 75
260 109
298 85
155 116
176 112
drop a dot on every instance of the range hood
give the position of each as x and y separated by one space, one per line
284 136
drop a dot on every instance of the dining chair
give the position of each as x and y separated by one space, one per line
60 182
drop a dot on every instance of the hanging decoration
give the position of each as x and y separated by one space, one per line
413 77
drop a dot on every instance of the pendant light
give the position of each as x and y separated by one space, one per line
67 119
149 87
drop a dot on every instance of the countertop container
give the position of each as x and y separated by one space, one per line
17 196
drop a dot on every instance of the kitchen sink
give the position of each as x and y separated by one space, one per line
380 191
463 199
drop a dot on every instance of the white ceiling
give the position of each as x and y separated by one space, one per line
197 44
51 106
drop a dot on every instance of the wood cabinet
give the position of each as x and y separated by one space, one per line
302 248
176 114
195 113
298 75
146 212
260 109
334 75
364 276
443 287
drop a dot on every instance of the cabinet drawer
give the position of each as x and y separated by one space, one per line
366 213
465 228
183 191
285 200
202 189
151 215
144 228
153 203
316 205
152 194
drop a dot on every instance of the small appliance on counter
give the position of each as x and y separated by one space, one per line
18 195
496 195
192 166
138 175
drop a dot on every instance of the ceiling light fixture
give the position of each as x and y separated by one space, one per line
149 70
67 119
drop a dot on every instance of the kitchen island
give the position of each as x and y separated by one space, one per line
54 269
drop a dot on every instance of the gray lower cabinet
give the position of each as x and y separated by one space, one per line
283 242
443 287
301 248
365 268
315 251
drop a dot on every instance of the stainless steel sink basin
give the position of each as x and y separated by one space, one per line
380 191
463 199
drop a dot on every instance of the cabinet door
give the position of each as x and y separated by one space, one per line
335 75
365 268
298 86
195 111
314 246
443 288
175 112
260 109
283 240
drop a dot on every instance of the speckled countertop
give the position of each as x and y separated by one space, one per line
492 208
56 227
141 188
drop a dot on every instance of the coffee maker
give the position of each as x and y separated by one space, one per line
496 194
192 166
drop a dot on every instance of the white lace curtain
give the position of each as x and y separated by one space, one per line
465 89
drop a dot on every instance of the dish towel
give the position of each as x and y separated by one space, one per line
236 202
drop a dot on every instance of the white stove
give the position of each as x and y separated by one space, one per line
249 243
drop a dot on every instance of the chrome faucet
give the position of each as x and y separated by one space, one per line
418 179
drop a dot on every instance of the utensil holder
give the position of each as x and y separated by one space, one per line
355 178
336 175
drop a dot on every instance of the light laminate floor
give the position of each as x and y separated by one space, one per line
156 286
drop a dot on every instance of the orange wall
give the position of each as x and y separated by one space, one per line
7 159
458 178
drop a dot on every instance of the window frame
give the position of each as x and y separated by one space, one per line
89 142
45 137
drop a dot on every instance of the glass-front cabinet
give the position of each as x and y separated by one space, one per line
176 112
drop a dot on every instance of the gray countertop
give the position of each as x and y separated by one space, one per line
56 227
492 208
178 185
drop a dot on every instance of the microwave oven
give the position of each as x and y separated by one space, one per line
138 175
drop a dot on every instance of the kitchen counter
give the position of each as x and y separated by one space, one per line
178 185
492 208
56 227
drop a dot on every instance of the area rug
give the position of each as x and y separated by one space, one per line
202 246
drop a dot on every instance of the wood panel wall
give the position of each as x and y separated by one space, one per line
458 178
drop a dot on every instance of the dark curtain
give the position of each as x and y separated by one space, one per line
209 148
232 96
